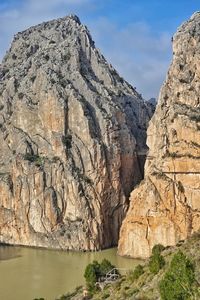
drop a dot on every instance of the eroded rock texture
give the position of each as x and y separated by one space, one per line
72 135
165 208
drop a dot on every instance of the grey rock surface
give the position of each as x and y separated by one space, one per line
165 208
72 135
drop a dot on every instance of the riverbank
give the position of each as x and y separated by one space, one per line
38 273
145 284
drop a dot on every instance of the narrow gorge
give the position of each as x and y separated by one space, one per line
165 208
73 140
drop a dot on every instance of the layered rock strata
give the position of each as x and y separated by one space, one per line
72 136
165 208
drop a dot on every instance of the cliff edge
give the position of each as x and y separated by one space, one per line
72 135
165 208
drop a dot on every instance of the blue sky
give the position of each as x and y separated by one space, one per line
133 35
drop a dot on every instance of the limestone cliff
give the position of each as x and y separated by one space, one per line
72 135
165 208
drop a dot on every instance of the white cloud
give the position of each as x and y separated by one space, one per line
140 55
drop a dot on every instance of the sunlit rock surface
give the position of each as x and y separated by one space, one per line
165 208
72 135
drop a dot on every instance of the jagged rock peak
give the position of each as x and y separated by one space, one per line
60 41
165 208
75 18
71 22
195 15
73 140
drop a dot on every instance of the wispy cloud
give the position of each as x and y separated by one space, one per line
32 12
49 5
140 54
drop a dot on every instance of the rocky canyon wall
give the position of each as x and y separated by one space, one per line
165 208
72 136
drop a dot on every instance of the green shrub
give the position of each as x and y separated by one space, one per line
138 271
157 249
134 275
34 158
156 261
106 295
95 271
92 273
178 280
105 267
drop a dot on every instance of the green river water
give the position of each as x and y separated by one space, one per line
27 273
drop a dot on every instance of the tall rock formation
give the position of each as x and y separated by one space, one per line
72 135
165 208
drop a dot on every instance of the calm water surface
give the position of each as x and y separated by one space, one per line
27 273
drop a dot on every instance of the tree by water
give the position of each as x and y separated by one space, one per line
95 271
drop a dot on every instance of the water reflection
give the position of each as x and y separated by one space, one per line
8 252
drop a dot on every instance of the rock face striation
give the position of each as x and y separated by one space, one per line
165 208
72 135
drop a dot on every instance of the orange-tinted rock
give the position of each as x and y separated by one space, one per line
165 208
71 130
